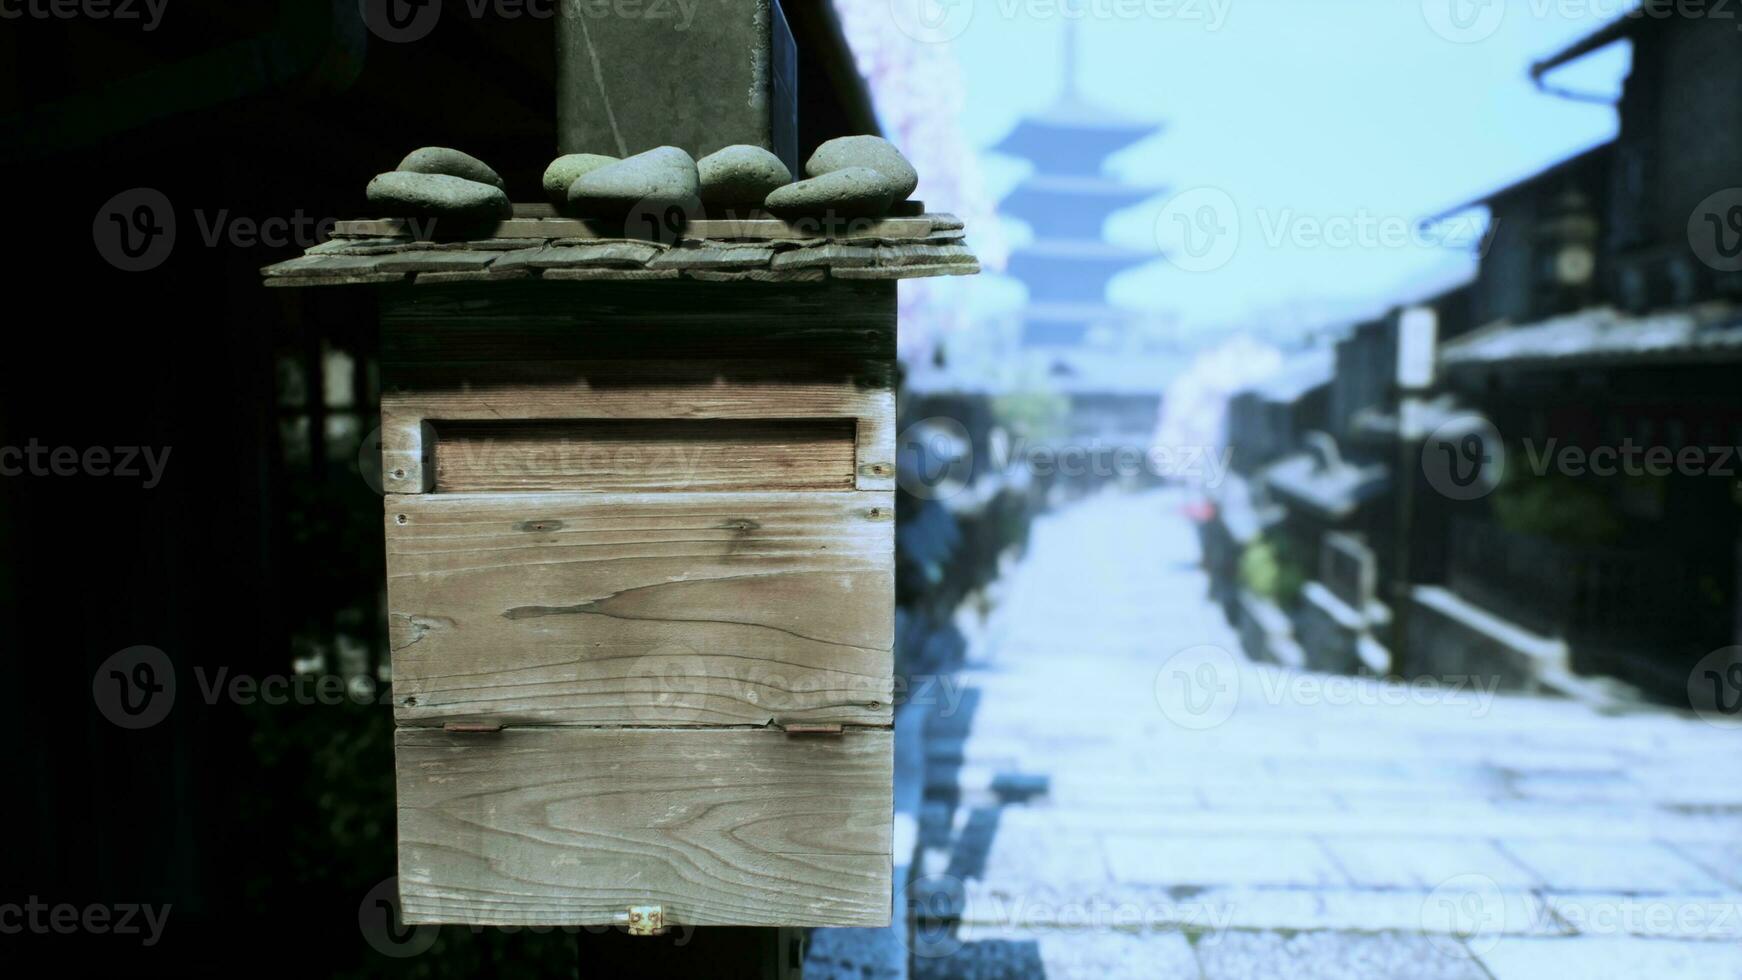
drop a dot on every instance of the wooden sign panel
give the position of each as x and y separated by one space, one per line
639 538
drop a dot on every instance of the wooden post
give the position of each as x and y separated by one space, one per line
1417 334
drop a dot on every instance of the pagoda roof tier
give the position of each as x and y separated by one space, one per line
1072 271
1073 137
1089 313
1047 199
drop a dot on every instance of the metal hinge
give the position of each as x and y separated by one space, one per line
644 920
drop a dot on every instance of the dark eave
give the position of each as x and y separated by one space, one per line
1535 180
1602 38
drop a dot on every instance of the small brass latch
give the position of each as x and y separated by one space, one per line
646 920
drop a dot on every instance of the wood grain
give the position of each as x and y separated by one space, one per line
840 323
424 395
666 609
561 827
645 455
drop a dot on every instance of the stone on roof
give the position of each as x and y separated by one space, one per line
537 244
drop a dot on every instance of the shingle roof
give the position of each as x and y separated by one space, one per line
761 248
1334 492
1707 332
1298 377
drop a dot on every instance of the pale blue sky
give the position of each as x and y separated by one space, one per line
1301 111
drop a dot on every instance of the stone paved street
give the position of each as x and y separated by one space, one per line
1101 804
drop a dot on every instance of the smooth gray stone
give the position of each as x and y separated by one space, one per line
401 194
741 174
856 192
451 162
874 152
655 181
565 170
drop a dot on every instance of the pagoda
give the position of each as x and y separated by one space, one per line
1066 201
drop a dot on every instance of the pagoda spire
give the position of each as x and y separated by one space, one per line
1068 84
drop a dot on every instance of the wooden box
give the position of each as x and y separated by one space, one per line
640 581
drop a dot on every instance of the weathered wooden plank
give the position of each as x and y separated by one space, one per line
670 609
923 271
366 279
607 275
362 246
759 275
826 256
548 320
642 389
482 275
431 260
406 446
455 390
479 244
522 258
563 827
715 256
645 455
542 209
630 255
325 265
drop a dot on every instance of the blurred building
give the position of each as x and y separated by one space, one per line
1592 362
1607 362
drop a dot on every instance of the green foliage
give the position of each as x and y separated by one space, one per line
1032 412
1270 568
1555 506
